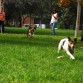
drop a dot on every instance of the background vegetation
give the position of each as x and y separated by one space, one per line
67 10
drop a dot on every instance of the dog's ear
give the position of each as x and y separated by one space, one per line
35 28
75 40
69 38
29 26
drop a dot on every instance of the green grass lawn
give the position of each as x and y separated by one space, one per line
34 60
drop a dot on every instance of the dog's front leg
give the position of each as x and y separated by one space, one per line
71 56
59 47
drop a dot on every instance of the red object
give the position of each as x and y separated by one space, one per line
2 14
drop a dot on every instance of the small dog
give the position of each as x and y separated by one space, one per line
67 44
30 31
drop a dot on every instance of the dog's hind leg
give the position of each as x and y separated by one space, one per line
59 47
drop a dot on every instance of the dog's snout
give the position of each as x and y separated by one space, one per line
72 46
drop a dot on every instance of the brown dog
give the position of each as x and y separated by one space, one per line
30 31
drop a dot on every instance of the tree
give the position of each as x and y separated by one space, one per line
14 10
78 18
66 3
27 7
19 8
67 17
82 21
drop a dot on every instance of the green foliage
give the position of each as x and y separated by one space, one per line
34 60
67 16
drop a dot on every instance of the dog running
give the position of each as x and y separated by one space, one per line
67 44
30 31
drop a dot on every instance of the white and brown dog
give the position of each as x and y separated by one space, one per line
67 44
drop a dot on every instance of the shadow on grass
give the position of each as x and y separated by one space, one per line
39 31
34 41
43 37
65 33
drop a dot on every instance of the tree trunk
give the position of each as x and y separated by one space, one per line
30 18
21 19
78 19
40 24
